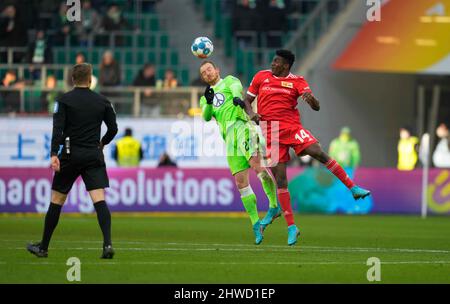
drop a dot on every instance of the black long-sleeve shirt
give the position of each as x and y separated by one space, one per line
79 114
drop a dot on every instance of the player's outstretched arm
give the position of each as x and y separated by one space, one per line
248 109
312 101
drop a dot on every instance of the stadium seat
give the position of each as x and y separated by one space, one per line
151 57
162 58
129 57
164 41
174 58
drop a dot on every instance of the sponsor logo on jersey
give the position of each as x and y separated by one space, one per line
287 84
218 100
276 90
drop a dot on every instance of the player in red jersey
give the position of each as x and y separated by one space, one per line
277 91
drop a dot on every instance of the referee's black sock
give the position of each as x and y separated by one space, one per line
51 220
104 220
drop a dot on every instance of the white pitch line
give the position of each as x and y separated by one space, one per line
84 242
166 249
324 247
254 249
283 247
234 263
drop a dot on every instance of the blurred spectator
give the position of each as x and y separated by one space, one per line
13 32
128 151
345 149
63 26
260 22
165 161
407 150
39 50
112 22
275 15
80 58
109 71
10 98
90 23
50 95
170 81
150 105
441 156
114 19
145 77
246 18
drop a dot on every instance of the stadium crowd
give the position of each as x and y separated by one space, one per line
34 28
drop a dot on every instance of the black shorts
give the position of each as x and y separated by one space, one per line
89 163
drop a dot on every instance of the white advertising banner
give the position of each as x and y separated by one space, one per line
25 142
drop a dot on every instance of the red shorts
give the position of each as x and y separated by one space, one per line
295 137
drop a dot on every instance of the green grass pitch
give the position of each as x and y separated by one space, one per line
196 249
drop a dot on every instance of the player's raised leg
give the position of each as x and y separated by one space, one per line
40 249
248 198
270 189
104 221
315 151
279 172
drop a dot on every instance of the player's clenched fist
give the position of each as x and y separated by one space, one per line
55 163
209 95
255 117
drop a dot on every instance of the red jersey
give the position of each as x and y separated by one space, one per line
277 96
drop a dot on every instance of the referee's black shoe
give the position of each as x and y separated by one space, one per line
36 250
108 252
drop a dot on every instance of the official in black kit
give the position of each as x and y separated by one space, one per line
77 120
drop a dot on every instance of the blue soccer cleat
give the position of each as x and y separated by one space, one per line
293 234
271 215
257 230
359 192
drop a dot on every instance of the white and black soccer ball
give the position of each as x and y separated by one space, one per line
202 47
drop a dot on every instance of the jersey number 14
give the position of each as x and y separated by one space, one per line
302 135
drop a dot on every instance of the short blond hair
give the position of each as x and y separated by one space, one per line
81 73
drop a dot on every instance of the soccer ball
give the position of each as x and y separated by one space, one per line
202 47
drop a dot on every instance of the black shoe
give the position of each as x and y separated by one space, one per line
108 252
37 251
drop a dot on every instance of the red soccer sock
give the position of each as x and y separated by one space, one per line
337 170
285 201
